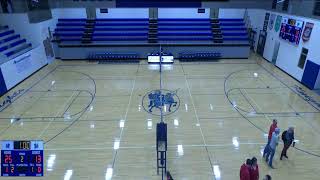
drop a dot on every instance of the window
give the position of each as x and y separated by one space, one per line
303 58
285 5
274 4
316 9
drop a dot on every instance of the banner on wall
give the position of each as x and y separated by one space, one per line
278 23
307 32
271 21
22 63
266 21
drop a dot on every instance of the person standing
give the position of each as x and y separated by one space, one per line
254 171
271 130
245 170
287 138
272 147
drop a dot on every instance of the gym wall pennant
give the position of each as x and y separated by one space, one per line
307 32
278 23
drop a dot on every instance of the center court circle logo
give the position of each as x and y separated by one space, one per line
161 99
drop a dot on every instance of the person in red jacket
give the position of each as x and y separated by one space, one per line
245 170
254 170
271 130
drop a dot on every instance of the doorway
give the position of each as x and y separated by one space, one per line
261 42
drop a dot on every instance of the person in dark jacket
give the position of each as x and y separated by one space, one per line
288 139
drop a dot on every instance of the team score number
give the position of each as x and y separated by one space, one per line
11 169
38 159
36 169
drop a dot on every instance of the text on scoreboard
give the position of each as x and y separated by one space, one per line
22 158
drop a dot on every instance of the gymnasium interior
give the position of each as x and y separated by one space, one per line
158 89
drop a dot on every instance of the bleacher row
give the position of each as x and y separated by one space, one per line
152 31
11 44
186 57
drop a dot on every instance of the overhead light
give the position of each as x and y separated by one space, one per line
211 107
255 75
186 106
235 142
139 108
121 123
197 124
252 113
52 83
153 67
176 122
109 173
262 150
116 144
216 172
165 108
50 162
234 104
149 123
180 150
92 125
67 116
91 108
68 174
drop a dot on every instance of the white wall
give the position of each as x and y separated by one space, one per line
182 13
289 54
69 13
124 13
257 25
231 13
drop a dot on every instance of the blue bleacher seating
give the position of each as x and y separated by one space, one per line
10 53
9 38
11 45
6 33
199 56
137 30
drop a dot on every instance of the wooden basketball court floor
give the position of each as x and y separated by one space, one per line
91 118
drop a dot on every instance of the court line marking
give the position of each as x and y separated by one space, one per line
246 98
153 146
276 77
58 112
27 90
80 113
264 113
256 126
125 118
198 121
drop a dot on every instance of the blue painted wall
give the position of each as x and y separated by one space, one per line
3 87
310 74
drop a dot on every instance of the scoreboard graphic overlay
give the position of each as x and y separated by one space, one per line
22 158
